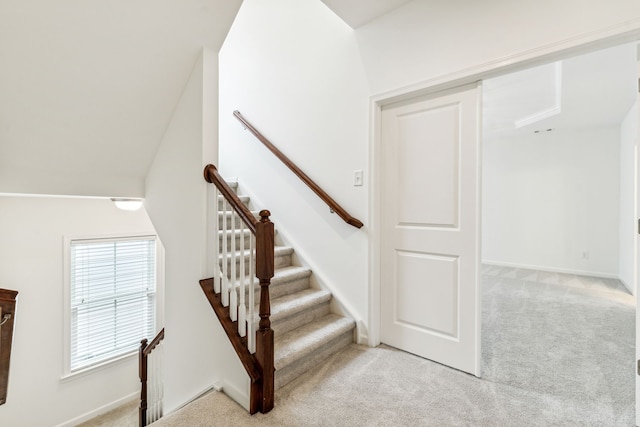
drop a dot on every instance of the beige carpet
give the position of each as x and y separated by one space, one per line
123 416
558 350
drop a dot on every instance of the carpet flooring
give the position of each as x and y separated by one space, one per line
558 350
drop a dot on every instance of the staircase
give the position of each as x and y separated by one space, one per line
306 331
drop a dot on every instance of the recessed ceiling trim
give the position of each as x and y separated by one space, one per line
547 112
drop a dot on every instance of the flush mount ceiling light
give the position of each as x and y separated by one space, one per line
127 204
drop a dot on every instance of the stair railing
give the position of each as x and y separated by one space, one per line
152 390
231 291
7 316
334 207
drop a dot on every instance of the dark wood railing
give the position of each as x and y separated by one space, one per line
333 205
259 366
7 316
143 356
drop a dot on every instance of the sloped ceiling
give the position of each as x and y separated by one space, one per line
358 12
591 90
87 87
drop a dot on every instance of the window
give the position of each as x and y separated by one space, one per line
112 292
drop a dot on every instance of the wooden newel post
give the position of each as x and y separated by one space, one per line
142 372
264 334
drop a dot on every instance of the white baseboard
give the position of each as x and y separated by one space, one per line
553 269
193 397
101 410
626 285
239 396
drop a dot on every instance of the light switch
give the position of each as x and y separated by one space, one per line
357 178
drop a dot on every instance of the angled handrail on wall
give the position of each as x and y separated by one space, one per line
333 205
232 284
7 316
149 413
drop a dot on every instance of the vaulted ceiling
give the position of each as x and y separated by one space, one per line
358 12
87 87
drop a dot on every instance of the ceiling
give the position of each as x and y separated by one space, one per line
87 87
592 90
359 12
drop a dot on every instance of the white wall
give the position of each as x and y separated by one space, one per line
425 40
306 81
197 353
31 261
549 197
292 68
628 225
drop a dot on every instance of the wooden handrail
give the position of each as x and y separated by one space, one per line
212 176
259 366
153 344
7 316
144 351
333 205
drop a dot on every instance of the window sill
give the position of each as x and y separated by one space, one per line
83 372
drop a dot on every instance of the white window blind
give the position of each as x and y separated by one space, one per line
113 288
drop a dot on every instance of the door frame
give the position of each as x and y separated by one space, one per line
609 37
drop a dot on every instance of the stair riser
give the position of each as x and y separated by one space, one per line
278 289
284 325
283 260
289 373
237 223
237 237
244 200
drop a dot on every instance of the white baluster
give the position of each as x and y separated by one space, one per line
225 255
233 303
160 379
154 385
151 398
242 308
251 339
156 391
216 244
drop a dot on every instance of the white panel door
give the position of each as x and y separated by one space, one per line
430 296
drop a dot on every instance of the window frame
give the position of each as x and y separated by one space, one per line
67 373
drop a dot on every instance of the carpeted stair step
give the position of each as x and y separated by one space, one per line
246 234
291 311
287 280
244 199
228 214
307 346
282 255
306 333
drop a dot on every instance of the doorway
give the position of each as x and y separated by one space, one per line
558 229
583 255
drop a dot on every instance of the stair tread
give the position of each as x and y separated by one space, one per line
230 211
233 233
291 271
243 199
278 251
301 341
294 303
282 274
